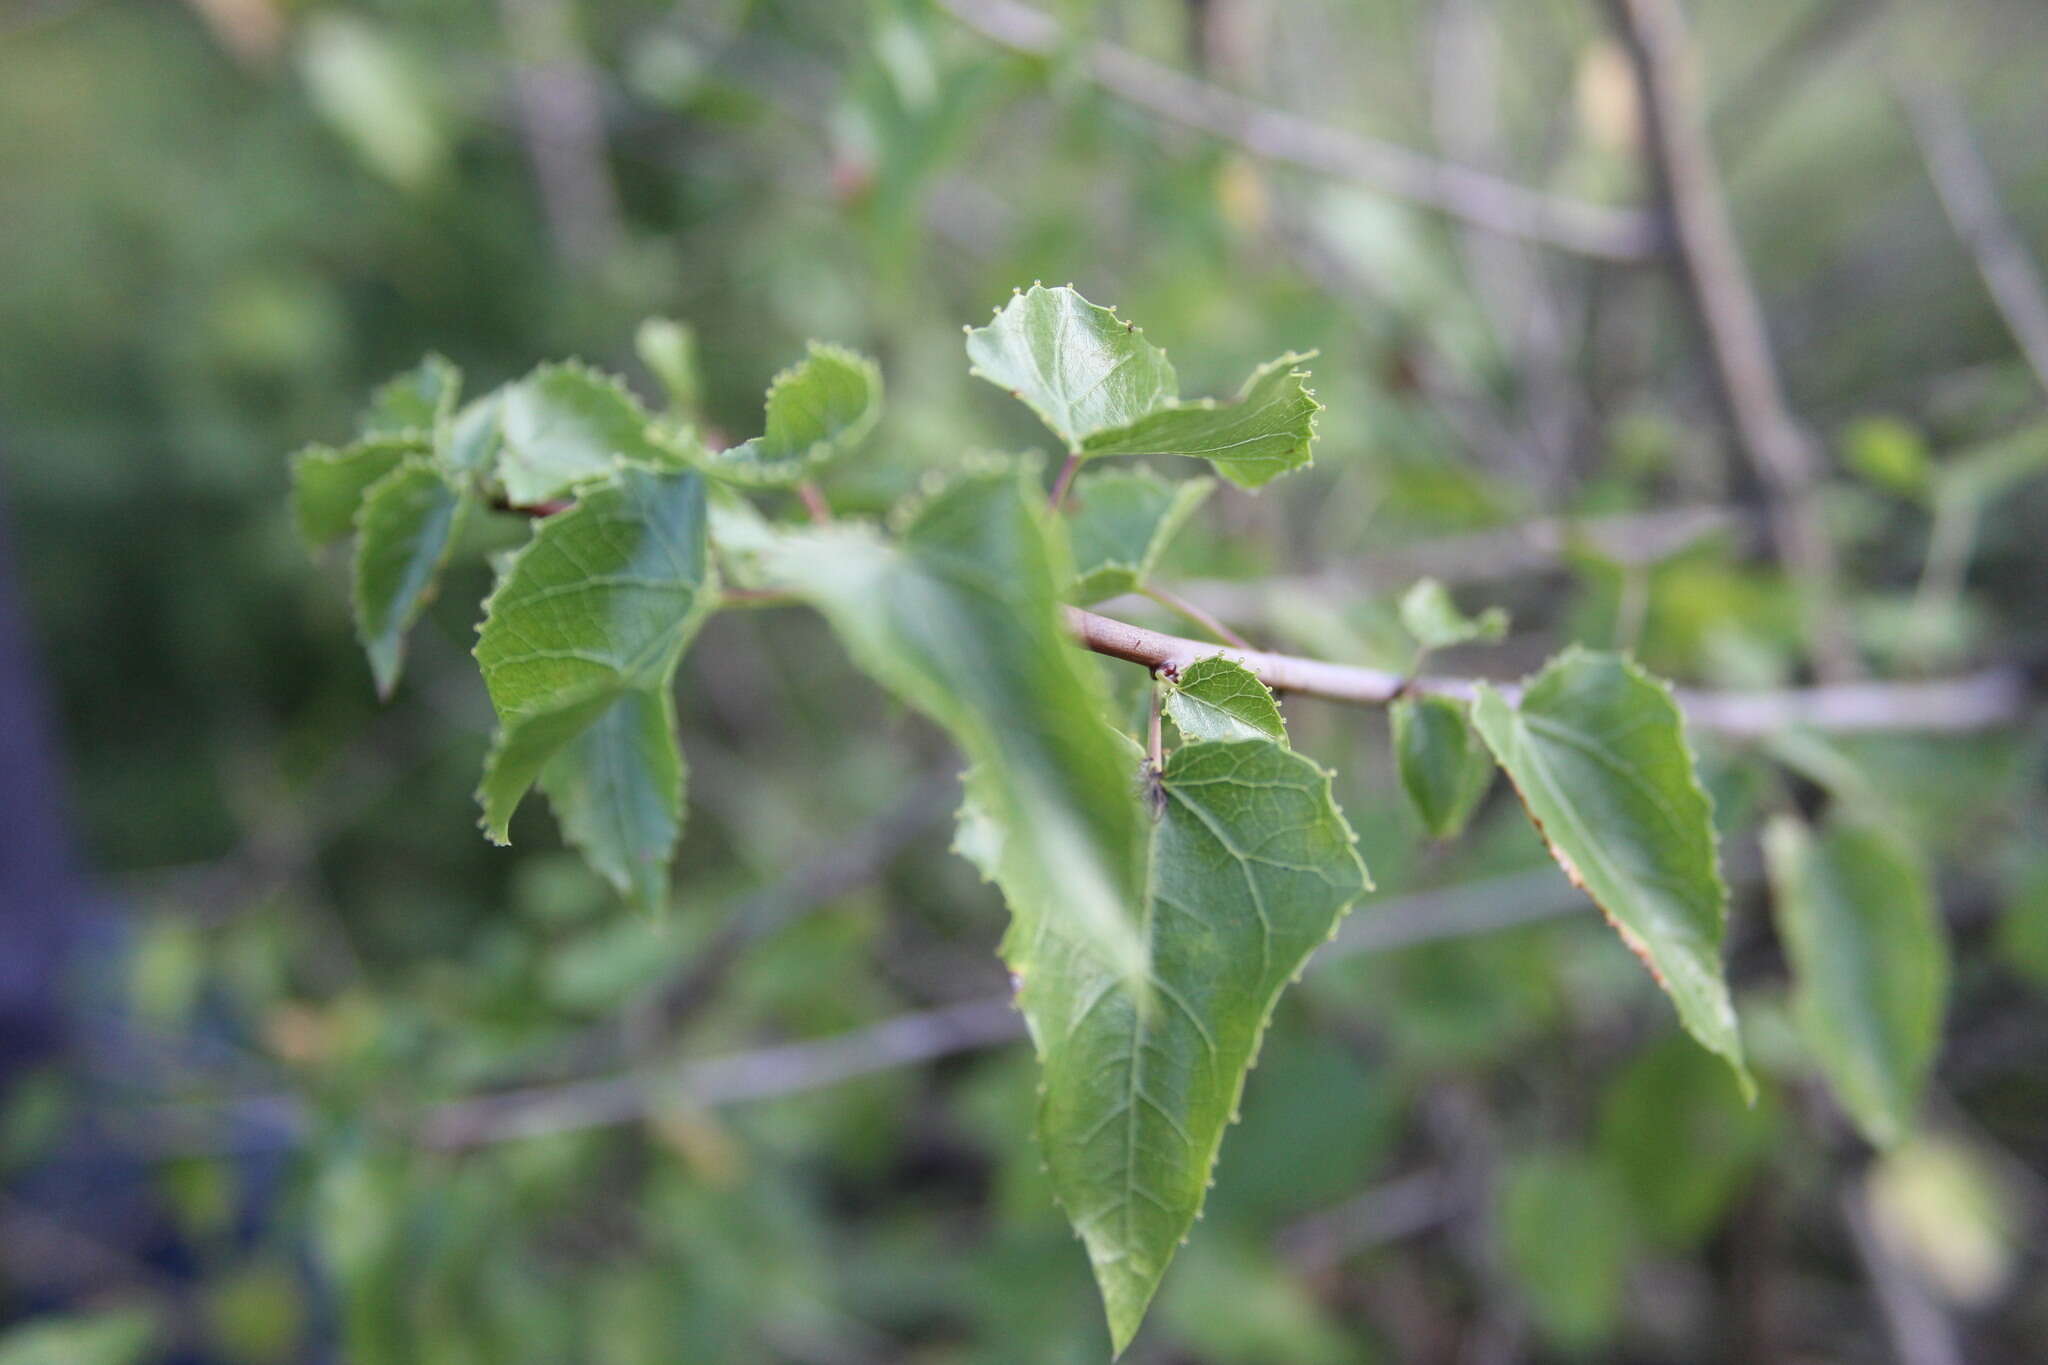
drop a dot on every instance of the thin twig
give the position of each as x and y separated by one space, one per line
1970 199
1994 697
1063 481
1471 196
819 510
1738 346
1180 606
561 117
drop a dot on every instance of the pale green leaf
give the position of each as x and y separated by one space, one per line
565 424
1251 867
1869 965
1267 430
959 619
669 351
415 403
1445 768
111 1336
404 533
1217 699
328 483
818 410
1080 367
1121 522
1564 1233
470 443
617 790
1430 615
599 606
1598 751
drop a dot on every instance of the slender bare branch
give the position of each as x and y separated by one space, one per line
1738 346
1993 697
561 117
1471 196
1969 197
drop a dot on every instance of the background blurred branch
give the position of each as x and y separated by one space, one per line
561 118
1970 199
1710 263
1471 196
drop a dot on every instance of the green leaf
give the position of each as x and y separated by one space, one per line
416 403
617 790
1080 367
113 1336
470 443
1597 750
1869 964
1430 615
669 351
818 410
328 483
1105 390
1565 1235
565 424
404 533
960 620
1444 767
1217 699
1251 867
1674 1100
579 649
1267 430
1121 522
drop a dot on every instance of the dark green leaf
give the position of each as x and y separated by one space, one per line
1869 965
598 608
1217 699
328 483
1680 1141
404 533
818 410
617 790
1251 867
1597 750
1121 522
1268 429
565 424
1444 767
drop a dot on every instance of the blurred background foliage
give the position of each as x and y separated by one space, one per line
1479 1138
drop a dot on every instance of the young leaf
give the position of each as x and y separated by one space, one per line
1217 699
472 440
404 533
960 619
1264 432
1122 521
1080 367
818 410
669 351
1444 767
415 403
564 424
1251 867
1598 752
328 483
1105 390
596 609
1869 965
1436 623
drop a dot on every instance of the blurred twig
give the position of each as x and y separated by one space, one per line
1970 199
1472 196
1977 701
561 116
1710 262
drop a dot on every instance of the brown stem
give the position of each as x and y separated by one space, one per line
814 503
1064 481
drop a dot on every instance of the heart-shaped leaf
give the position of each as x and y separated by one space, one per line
818 410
